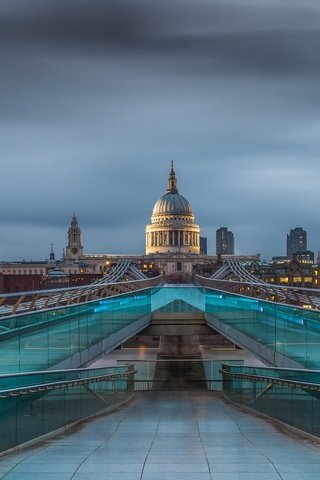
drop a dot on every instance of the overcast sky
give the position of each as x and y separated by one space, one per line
98 96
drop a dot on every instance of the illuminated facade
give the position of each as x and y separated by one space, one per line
295 272
172 228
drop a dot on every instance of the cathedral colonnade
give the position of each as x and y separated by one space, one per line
173 238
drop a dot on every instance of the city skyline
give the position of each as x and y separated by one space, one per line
98 98
52 247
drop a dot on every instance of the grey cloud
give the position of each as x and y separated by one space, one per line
98 96
212 37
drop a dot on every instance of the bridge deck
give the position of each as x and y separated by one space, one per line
170 436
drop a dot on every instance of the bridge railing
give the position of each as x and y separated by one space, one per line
36 404
72 335
23 302
308 298
288 395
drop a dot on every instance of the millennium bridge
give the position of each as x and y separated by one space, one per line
177 416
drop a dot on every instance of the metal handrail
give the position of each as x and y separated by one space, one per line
284 295
79 287
258 284
289 369
55 298
45 387
274 380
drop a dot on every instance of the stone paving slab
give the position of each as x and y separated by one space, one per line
169 436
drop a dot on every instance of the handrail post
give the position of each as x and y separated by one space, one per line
225 378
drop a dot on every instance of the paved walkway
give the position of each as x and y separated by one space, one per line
169 436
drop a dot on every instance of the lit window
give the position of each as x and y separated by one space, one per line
284 279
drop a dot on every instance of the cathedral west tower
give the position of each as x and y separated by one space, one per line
74 248
172 227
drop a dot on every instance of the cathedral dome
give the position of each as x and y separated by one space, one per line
172 204
172 227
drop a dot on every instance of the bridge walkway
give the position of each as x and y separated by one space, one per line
169 436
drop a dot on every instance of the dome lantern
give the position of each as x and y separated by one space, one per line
172 181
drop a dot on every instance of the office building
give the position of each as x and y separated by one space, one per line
203 246
296 241
224 241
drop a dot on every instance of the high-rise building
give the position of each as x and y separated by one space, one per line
296 241
203 246
224 241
